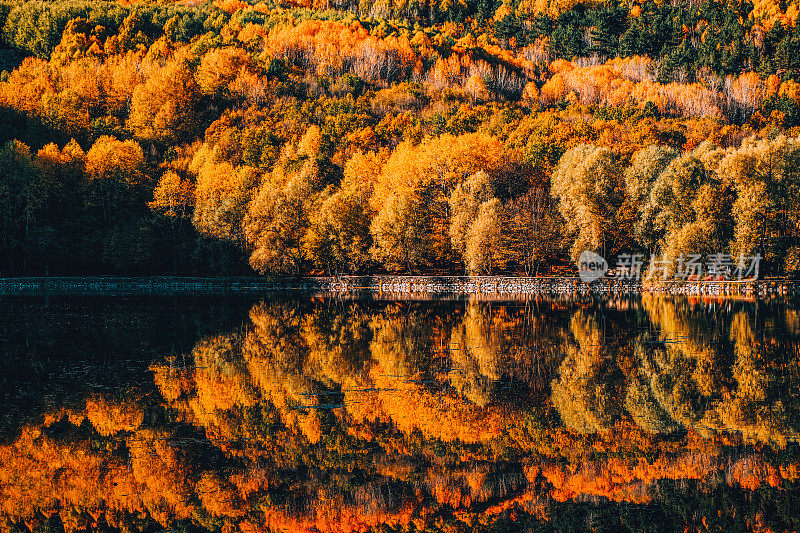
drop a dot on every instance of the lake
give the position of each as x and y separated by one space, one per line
310 413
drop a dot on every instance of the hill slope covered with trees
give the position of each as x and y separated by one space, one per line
308 137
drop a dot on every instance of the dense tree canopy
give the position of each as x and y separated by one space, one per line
317 137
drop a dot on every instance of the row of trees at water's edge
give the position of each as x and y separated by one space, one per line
450 202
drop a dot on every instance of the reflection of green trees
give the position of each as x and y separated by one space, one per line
691 369
760 404
667 374
696 336
683 364
642 404
713 383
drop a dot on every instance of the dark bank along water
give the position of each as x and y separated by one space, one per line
309 414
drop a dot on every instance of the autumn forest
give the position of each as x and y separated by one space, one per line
476 136
283 138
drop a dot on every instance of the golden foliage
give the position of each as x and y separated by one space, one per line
109 418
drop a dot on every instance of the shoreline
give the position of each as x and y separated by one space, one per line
495 287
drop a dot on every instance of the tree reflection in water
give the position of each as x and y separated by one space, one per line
328 415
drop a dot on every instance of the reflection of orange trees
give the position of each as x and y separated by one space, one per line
633 481
686 340
400 344
173 382
582 393
532 345
669 373
314 363
218 496
475 352
439 414
166 479
424 453
40 474
286 359
276 358
467 485
641 403
221 380
222 384
402 341
332 519
215 391
338 346
752 472
87 486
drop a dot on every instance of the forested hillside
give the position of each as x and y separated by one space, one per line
328 137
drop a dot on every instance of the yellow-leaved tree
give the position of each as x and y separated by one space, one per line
417 181
277 220
587 186
116 173
766 176
173 196
688 210
163 107
485 249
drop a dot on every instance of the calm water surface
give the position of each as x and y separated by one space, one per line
314 414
